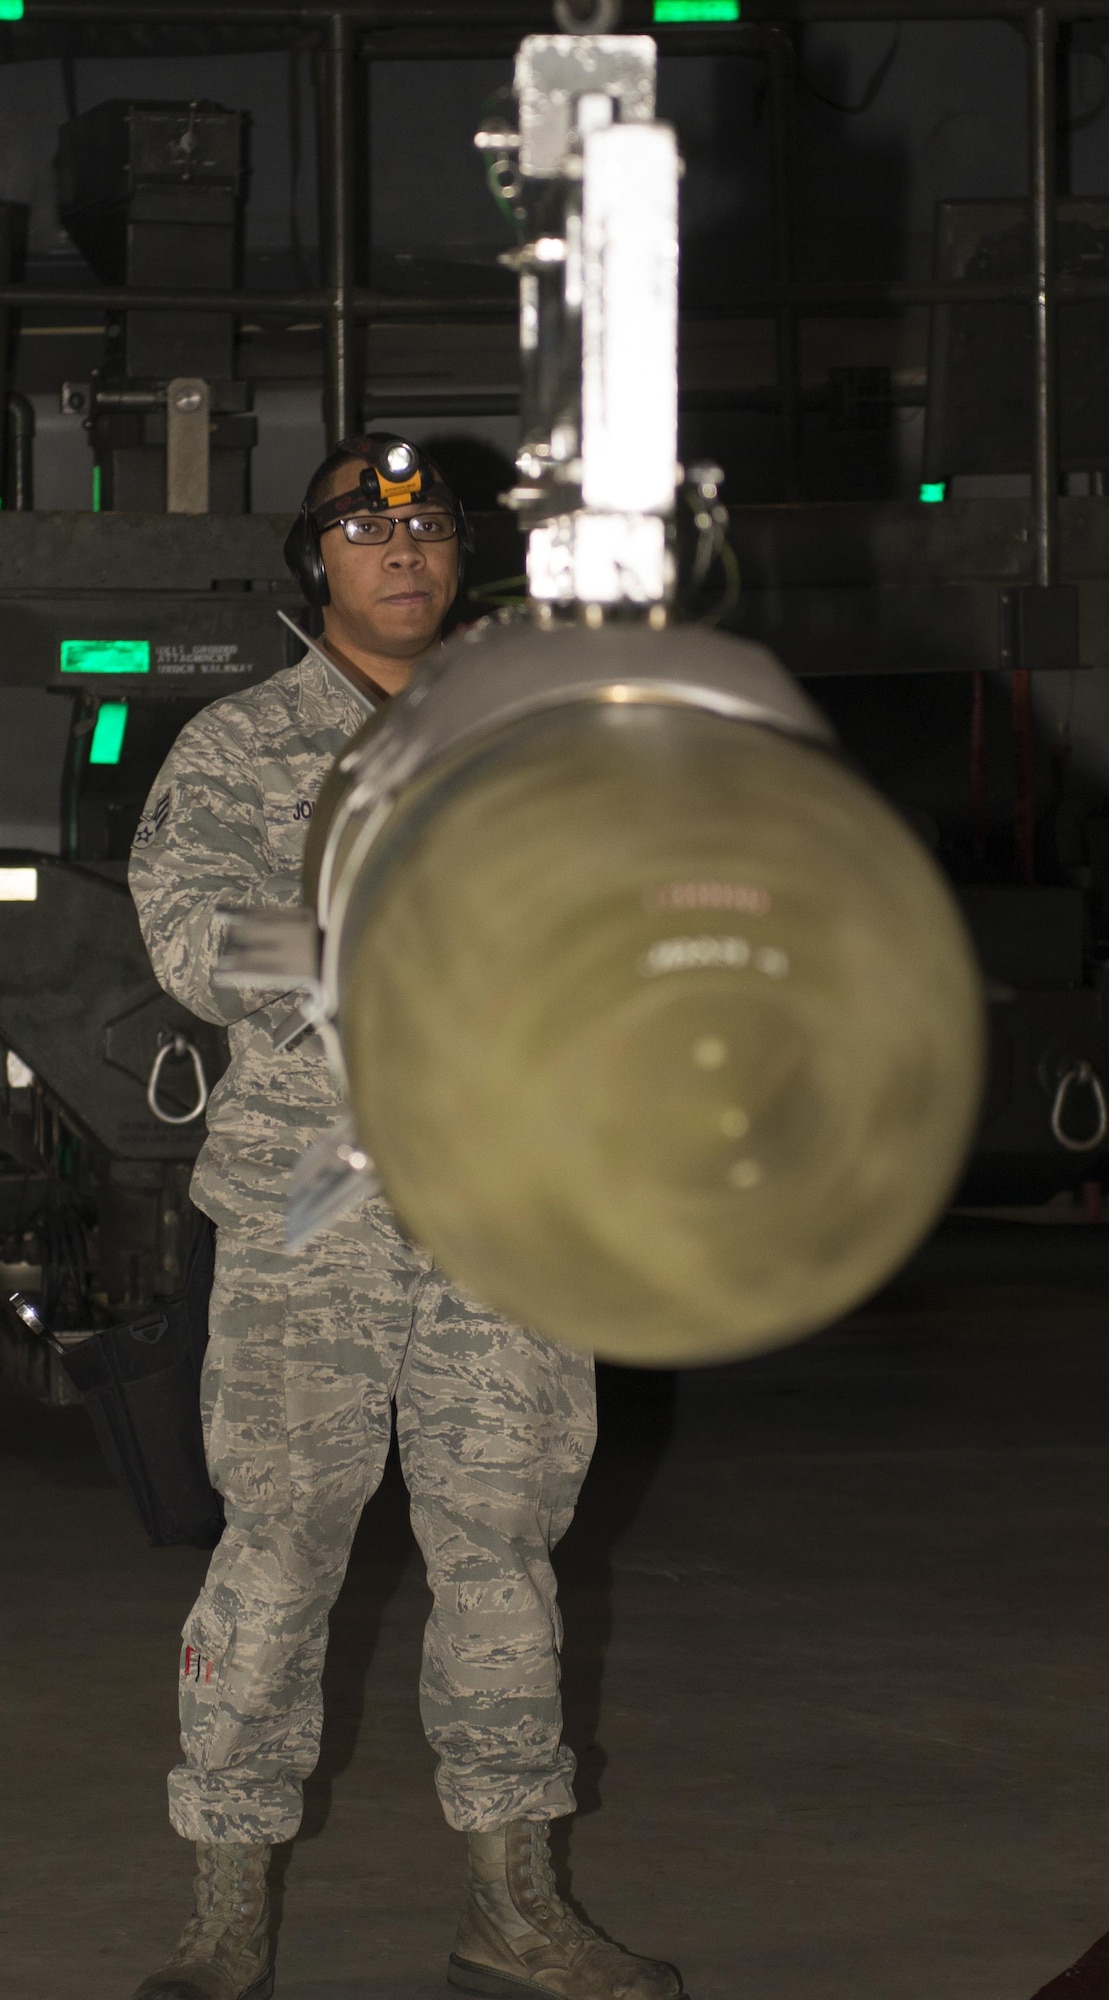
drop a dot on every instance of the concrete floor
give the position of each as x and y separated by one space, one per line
837 1669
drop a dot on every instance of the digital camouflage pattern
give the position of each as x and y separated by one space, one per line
307 1352
225 824
495 1428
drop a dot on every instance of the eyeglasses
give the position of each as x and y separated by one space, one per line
378 528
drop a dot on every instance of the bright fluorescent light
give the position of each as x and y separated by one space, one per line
19 885
105 656
107 737
696 10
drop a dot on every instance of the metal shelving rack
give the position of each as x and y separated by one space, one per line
353 31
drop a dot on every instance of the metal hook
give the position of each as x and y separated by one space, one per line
586 17
177 1044
1085 1075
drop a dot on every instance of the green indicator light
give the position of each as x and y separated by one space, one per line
933 490
11 10
107 737
105 656
696 10
96 489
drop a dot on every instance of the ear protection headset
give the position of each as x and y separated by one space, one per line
395 473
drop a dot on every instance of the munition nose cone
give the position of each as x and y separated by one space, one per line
663 1031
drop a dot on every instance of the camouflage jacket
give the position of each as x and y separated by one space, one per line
226 824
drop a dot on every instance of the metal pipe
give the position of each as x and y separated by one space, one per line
19 471
851 295
339 387
362 228
363 304
506 402
512 15
780 55
82 719
1042 31
520 14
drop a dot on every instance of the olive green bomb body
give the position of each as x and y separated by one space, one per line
662 1029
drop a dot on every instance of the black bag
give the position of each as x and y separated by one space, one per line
141 1387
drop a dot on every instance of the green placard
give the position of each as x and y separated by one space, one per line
11 10
690 11
107 737
105 656
933 491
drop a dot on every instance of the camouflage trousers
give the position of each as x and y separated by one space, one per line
495 1428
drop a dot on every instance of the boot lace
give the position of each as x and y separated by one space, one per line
230 1904
554 1915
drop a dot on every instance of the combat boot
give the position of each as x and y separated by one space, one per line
224 1952
517 1935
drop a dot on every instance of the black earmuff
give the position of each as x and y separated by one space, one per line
304 556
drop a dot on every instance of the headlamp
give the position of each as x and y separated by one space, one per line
394 474
400 459
380 489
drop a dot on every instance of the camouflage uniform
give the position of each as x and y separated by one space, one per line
307 1352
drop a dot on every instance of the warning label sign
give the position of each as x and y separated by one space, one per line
203 659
